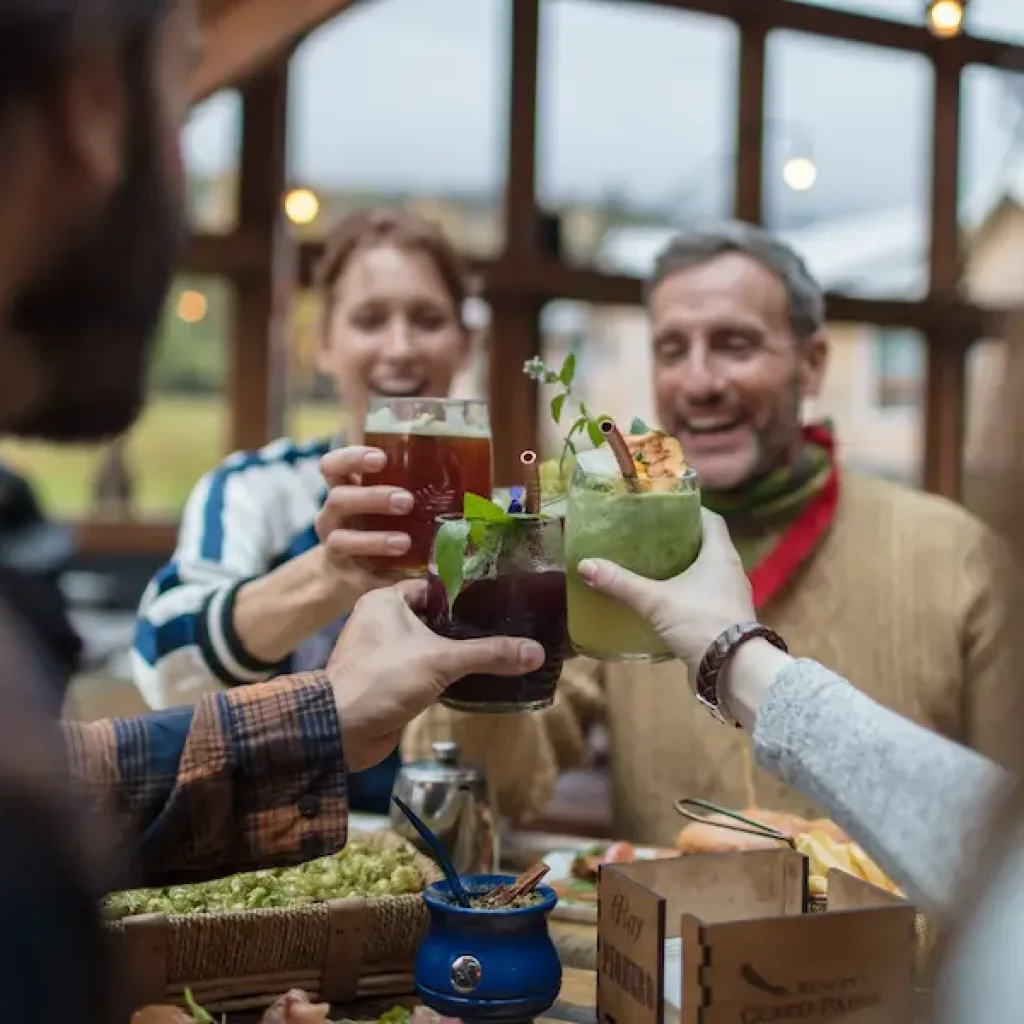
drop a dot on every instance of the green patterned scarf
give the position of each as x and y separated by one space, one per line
759 513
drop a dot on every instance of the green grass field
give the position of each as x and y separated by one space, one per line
178 438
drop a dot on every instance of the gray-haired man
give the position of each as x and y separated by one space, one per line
888 586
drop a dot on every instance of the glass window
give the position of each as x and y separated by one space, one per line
894 10
181 434
847 160
998 19
401 102
901 368
873 393
613 363
212 139
992 185
636 118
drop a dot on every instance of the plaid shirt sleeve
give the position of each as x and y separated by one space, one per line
251 777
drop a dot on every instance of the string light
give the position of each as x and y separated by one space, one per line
301 206
946 17
800 173
192 307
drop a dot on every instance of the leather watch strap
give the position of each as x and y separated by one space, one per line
717 657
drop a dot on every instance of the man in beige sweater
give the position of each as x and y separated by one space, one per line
888 586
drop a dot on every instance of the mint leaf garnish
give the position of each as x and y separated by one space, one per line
594 433
475 507
450 546
638 427
568 371
556 407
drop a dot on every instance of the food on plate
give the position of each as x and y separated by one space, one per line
294 1007
361 869
825 853
581 886
823 842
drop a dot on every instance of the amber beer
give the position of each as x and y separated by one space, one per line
437 449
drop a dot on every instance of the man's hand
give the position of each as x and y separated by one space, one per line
388 667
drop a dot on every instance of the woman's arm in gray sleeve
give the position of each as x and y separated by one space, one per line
915 801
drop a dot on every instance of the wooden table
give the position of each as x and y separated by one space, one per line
576 1004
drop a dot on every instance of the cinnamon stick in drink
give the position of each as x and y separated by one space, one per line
531 470
617 443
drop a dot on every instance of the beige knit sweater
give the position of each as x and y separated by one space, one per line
899 599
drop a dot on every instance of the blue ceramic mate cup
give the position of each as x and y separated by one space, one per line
488 965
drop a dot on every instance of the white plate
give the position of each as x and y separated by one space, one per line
560 862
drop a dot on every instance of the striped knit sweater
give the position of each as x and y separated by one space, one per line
898 599
251 514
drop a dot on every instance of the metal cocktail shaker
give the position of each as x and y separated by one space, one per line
454 800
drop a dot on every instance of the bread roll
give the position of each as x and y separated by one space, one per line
705 837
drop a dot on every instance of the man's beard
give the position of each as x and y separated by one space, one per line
88 323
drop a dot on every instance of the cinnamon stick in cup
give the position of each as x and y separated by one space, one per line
531 471
617 443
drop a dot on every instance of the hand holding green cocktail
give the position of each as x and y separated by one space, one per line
631 500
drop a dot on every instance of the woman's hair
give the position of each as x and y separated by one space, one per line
370 229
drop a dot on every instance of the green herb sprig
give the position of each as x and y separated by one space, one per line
586 422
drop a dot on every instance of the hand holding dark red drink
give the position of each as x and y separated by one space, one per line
499 573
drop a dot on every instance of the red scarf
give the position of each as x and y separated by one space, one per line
802 537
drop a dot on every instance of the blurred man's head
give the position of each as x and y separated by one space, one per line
93 94
738 326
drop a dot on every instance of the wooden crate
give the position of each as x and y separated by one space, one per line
748 949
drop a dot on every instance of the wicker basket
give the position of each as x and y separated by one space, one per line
338 951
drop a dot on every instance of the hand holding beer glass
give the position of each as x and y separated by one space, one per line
437 450
420 458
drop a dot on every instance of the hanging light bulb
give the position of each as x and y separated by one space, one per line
946 17
800 173
301 206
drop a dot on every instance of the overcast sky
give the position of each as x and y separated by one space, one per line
635 99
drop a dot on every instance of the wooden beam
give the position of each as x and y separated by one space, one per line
833 23
945 385
515 317
245 36
748 203
258 358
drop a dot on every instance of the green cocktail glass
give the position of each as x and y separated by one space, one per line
652 528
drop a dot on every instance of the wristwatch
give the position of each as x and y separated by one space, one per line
718 656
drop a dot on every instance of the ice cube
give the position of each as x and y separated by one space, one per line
598 461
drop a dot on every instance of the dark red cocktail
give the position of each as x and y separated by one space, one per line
438 450
514 585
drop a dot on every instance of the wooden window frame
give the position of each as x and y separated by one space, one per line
266 267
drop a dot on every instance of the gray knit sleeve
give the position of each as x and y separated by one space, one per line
913 800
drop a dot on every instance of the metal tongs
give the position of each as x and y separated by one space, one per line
746 825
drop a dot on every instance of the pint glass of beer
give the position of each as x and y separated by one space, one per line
438 449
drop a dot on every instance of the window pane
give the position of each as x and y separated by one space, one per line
613 363
998 19
180 435
636 118
402 102
894 10
212 139
992 185
847 161
874 394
